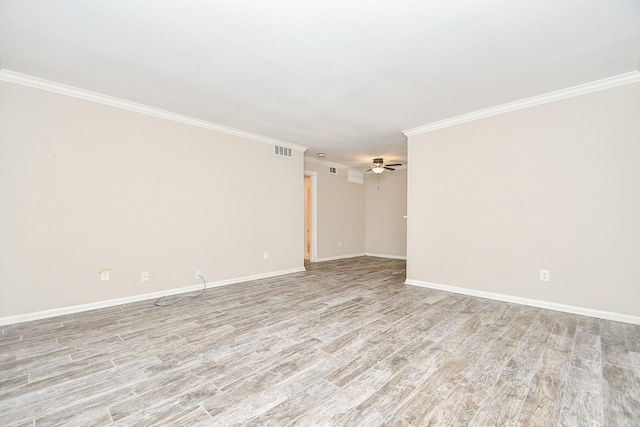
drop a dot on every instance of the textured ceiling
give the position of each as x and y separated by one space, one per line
345 78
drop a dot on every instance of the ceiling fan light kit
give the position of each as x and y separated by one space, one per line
378 166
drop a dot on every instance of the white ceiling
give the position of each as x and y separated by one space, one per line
341 77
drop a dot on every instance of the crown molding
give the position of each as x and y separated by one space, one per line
343 166
34 82
326 163
620 80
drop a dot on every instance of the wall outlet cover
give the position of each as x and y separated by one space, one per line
544 275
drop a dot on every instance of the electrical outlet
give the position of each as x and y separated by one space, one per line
145 276
265 255
104 274
544 275
339 244
198 274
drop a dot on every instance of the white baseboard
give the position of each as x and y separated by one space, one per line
19 318
607 315
333 258
387 256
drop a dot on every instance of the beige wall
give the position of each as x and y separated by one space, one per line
86 186
553 187
386 229
339 220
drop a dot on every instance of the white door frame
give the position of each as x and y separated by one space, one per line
314 214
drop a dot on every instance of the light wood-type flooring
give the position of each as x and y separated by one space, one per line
344 344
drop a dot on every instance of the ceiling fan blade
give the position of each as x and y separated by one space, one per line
395 164
369 170
388 168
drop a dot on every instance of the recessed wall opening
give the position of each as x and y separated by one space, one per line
310 209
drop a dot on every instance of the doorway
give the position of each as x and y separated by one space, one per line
310 205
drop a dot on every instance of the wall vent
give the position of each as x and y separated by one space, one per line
355 176
282 151
333 170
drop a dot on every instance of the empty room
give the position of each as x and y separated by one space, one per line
285 213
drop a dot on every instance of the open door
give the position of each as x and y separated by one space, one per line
307 218
310 209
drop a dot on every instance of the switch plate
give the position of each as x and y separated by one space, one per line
544 275
145 276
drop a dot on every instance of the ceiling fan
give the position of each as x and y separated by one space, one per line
378 166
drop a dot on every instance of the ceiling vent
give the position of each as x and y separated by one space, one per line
282 151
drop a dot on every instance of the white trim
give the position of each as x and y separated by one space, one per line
34 82
386 256
9 320
618 317
314 214
325 162
333 258
623 79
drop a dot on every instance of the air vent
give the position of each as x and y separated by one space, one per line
333 171
355 176
282 151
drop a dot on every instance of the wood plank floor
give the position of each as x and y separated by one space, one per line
344 344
